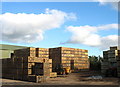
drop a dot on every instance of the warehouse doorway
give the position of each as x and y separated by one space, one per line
72 64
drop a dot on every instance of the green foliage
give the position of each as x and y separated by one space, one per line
95 62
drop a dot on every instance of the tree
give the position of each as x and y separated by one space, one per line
95 62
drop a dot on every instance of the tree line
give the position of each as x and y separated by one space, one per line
95 62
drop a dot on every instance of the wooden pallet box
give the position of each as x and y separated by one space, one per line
53 74
27 71
28 65
41 69
37 79
25 77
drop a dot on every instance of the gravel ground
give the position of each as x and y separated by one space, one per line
74 79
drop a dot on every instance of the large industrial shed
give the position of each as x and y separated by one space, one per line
6 50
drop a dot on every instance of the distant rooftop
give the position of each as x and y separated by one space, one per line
10 47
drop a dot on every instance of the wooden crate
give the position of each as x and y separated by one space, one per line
53 74
25 77
20 71
41 69
50 70
37 79
9 76
15 76
20 77
28 65
27 71
32 78
42 52
75 54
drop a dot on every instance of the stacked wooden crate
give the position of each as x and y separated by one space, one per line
118 63
111 58
53 74
30 57
104 66
74 58
18 68
4 67
37 79
55 55
24 64
105 62
42 69
44 55
7 66
69 57
20 63
50 65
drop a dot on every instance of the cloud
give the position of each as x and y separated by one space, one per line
88 35
113 3
28 28
104 1
111 40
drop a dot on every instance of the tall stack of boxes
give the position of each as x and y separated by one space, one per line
69 58
7 65
118 63
37 64
26 63
111 58
105 63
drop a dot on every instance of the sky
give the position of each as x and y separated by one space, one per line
84 25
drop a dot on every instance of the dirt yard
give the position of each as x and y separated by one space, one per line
82 78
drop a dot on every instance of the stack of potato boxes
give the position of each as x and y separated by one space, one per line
105 63
7 68
75 58
26 61
55 55
69 58
110 59
112 53
23 62
52 74
47 66
118 63
44 54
